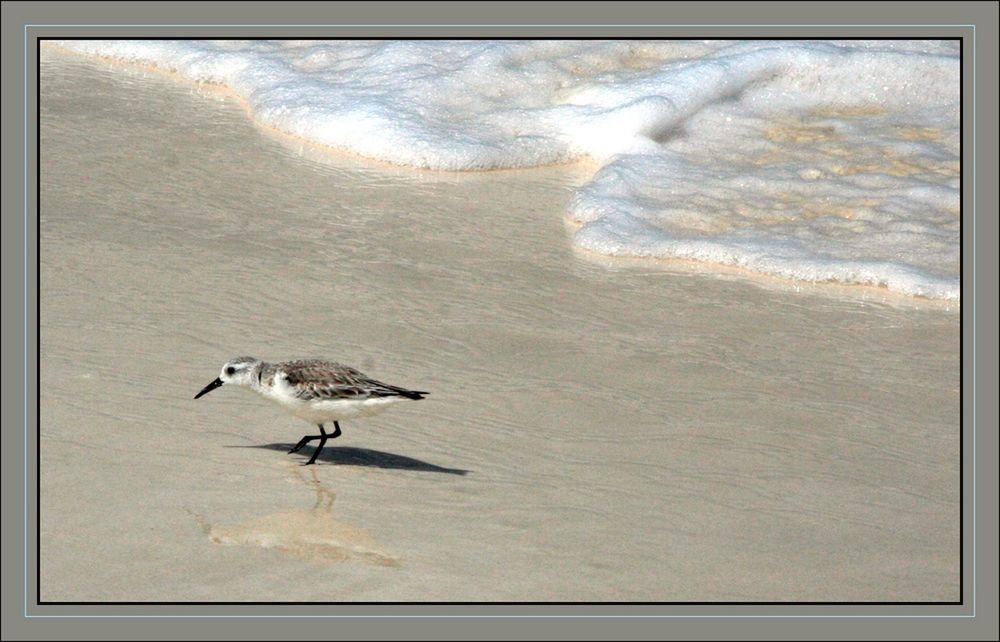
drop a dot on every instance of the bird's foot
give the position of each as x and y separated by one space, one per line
302 442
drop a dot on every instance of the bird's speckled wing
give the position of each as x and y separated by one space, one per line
319 379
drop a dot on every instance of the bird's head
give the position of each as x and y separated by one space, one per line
239 371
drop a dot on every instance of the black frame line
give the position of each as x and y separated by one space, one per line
962 285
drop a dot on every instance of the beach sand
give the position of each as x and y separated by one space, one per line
596 430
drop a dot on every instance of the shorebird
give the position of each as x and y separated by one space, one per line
315 390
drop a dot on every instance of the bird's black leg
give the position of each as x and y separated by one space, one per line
322 437
322 442
305 440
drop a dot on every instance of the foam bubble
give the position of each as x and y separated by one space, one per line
812 160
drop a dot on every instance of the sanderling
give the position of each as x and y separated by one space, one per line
313 389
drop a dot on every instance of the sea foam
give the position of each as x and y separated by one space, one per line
810 160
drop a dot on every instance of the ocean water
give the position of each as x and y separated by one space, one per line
817 161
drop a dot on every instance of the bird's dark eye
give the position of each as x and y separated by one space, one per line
230 371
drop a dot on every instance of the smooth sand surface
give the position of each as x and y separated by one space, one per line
596 431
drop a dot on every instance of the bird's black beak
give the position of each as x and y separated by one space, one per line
209 388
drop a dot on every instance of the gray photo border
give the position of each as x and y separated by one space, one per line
976 22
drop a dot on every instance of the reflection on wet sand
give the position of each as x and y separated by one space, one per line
312 535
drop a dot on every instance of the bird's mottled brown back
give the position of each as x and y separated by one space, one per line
320 379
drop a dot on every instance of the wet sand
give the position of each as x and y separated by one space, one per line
597 430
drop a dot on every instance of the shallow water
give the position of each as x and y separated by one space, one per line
595 432
812 160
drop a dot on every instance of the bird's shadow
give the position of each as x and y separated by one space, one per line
348 456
